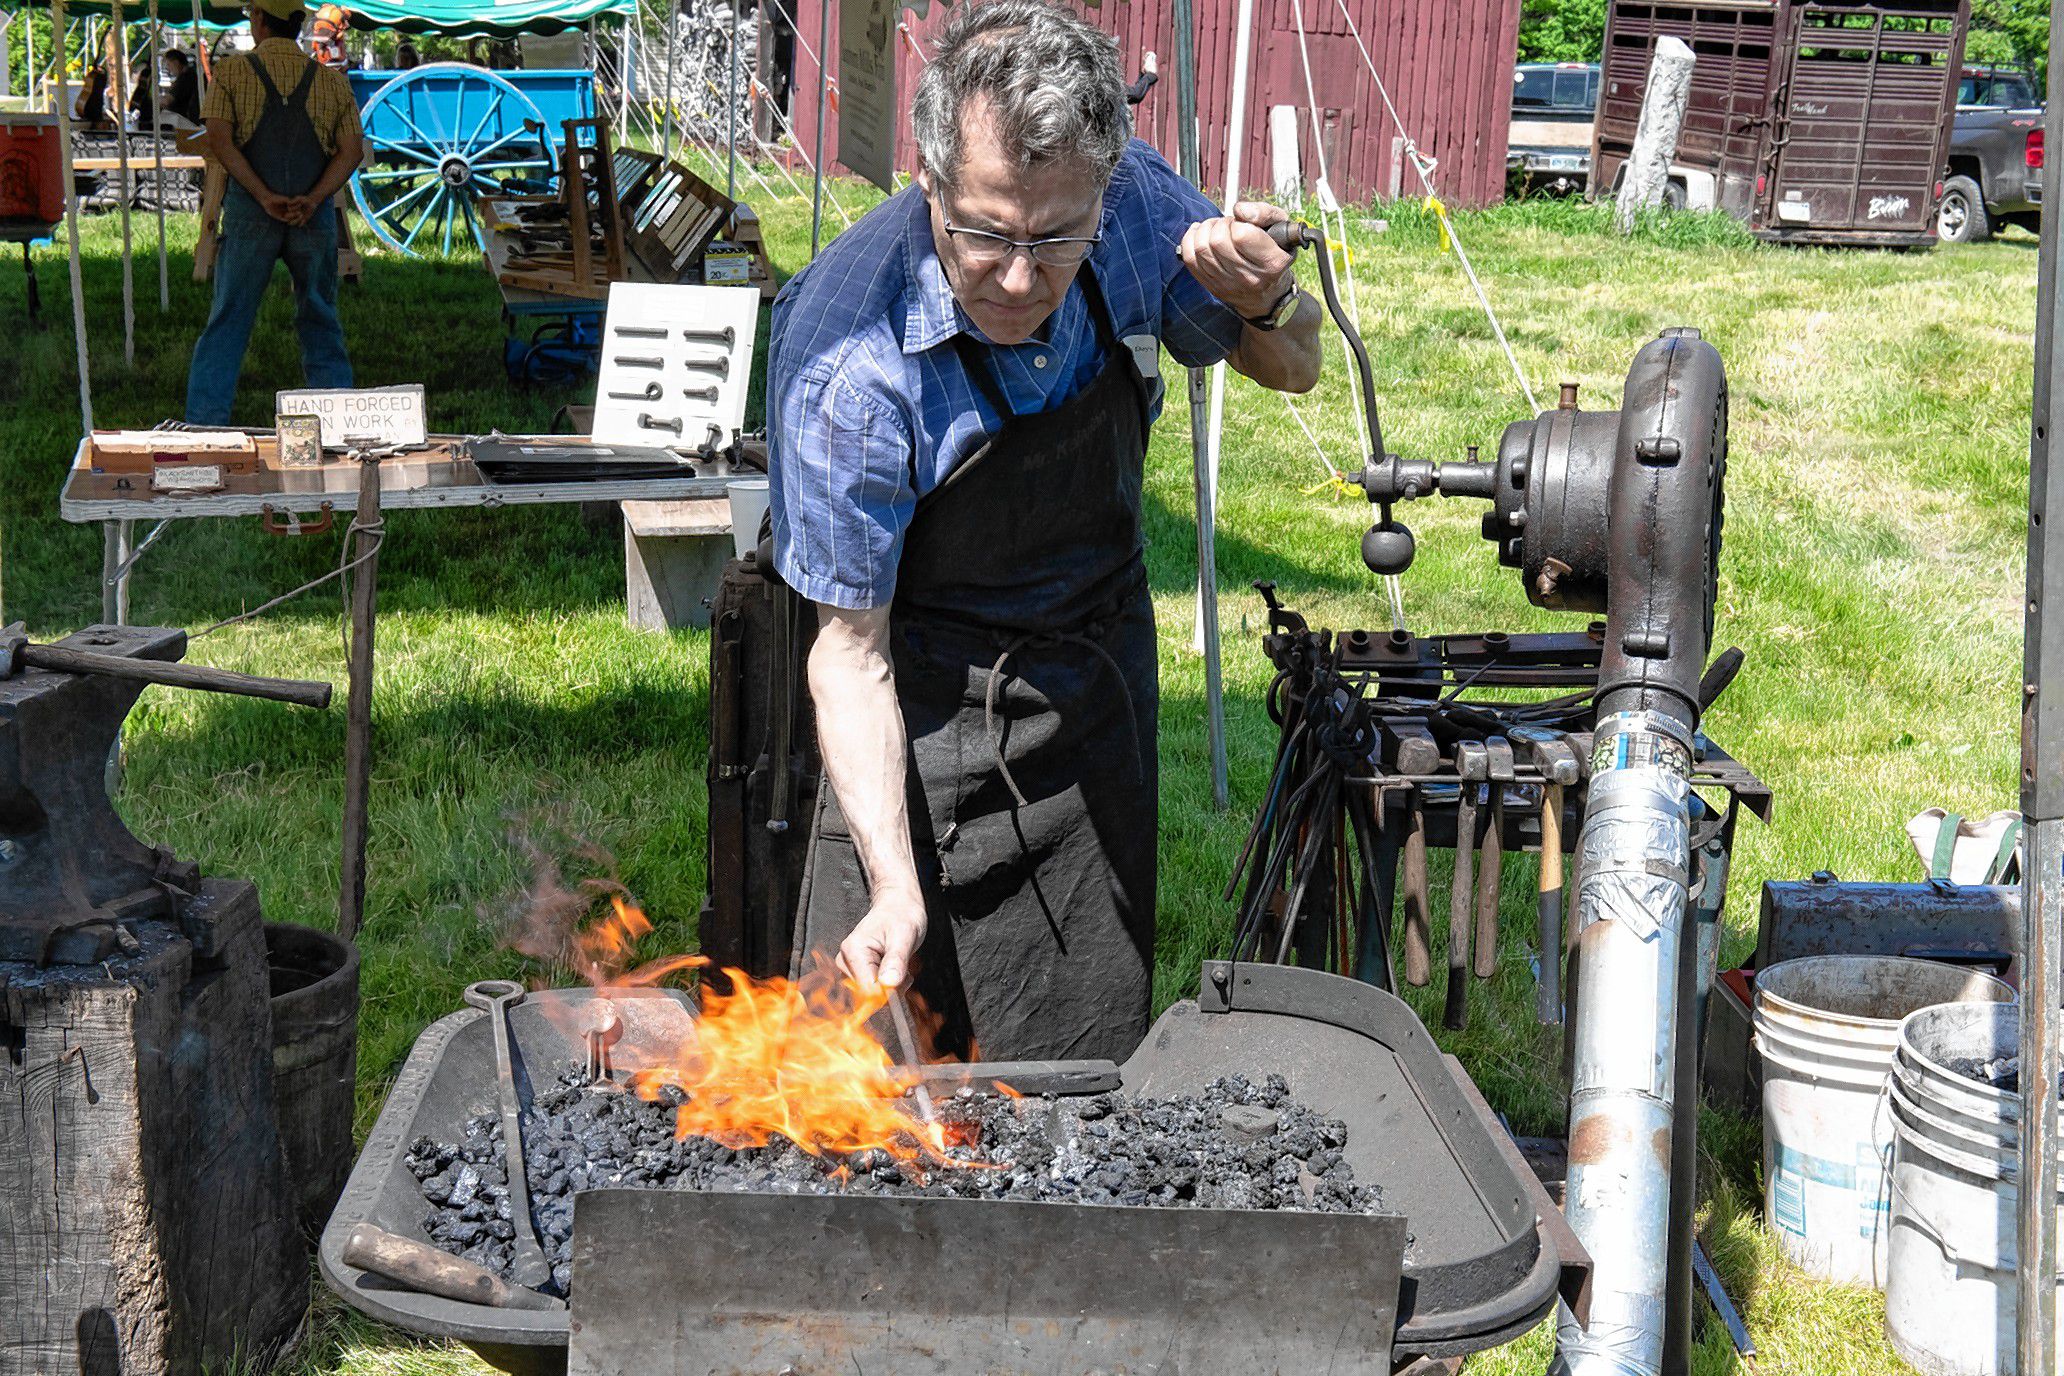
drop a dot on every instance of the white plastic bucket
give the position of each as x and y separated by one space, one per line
1826 1028
749 502
1950 1291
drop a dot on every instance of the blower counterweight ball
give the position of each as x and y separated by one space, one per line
1387 549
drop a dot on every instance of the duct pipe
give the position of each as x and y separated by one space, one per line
1635 852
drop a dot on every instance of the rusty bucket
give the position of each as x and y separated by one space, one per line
314 1061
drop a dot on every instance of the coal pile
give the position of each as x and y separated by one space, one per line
1238 1145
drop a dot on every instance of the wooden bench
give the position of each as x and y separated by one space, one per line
674 557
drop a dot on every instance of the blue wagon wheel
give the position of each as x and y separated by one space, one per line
442 135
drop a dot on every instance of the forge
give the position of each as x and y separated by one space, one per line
1445 1243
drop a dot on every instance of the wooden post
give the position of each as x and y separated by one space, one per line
1655 137
2041 954
148 1221
763 107
358 722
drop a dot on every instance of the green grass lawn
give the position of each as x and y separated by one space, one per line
1872 572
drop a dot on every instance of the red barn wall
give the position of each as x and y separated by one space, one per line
1447 65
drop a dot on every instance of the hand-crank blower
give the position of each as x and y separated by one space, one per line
1616 512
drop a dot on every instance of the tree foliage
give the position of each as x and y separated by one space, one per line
2015 32
1562 30
2010 31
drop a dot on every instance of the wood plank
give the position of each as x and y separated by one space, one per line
177 163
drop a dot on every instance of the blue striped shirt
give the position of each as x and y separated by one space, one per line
870 407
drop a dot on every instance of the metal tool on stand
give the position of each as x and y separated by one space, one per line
1549 752
528 1265
1491 859
1417 925
18 652
1473 763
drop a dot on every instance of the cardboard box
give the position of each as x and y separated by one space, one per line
146 451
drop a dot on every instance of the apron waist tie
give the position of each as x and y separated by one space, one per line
1088 638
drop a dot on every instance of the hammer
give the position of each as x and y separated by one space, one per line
1492 861
1473 764
18 652
1550 753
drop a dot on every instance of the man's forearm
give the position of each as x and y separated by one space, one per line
860 734
1286 359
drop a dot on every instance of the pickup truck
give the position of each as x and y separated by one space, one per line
1994 176
1549 145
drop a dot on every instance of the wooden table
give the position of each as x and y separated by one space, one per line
440 476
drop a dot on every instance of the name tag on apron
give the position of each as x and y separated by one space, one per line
1146 354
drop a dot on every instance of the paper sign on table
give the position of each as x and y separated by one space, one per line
361 416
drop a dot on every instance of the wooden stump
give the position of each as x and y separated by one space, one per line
145 1219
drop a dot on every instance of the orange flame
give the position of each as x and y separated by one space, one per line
603 952
770 1058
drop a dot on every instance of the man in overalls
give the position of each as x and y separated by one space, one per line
960 389
285 129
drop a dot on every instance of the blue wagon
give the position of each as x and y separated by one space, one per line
441 135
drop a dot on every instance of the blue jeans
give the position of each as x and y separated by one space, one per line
251 243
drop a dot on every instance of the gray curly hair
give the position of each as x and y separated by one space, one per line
1050 79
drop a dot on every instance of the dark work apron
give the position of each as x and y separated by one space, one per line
1022 636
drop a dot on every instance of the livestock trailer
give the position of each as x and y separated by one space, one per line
1814 121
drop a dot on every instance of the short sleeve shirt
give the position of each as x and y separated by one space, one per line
870 405
238 96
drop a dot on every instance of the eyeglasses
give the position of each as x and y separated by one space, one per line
980 246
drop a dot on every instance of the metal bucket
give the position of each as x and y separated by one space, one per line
1826 1028
1950 1291
314 1061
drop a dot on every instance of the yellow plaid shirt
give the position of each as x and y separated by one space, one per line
237 96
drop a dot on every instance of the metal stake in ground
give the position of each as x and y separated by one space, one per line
358 722
528 1266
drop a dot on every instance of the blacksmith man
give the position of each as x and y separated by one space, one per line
960 391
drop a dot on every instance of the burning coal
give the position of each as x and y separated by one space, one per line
1238 1145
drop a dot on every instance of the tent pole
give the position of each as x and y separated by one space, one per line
1236 139
1200 465
673 47
118 106
29 61
628 55
157 131
823 107
731 113
199 42
64 147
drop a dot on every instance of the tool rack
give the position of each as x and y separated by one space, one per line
1426 702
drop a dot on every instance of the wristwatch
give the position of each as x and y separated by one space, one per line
1280 314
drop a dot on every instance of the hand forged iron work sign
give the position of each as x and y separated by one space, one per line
361 415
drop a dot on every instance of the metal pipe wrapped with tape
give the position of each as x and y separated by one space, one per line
1634 852
1630 916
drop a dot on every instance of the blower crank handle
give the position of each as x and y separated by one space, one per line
1387 546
